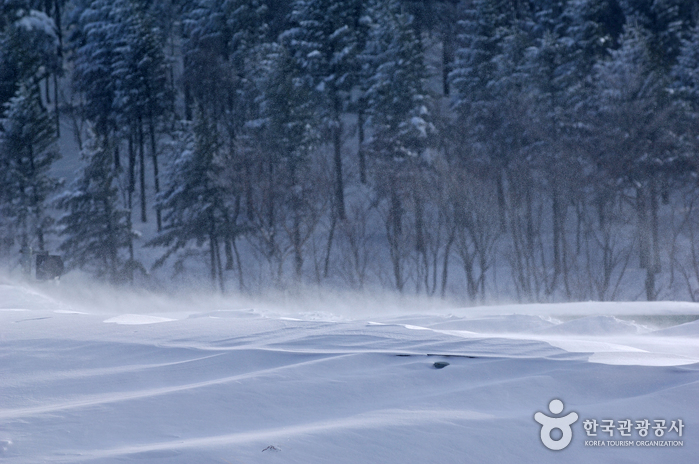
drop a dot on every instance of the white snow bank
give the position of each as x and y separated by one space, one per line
22 297
511 323
641 358
590 308
690 329
595 325
137 319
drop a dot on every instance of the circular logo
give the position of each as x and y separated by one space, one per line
549 424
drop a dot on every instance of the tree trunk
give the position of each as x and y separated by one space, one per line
644 241
228 248
483 264
131 253
395 232
645 244
420 246
296 232
298 255
212 257
557 234
650 285
530 219
360 152
35 203
270 202
219 267
132 171
111 242
117 158
56 109
249 206
447 58
339 186
654 225
331 235
241 283
502 205
445 266
187 93
142 170
156 177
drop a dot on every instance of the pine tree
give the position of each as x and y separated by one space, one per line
480 116
98 33
632 104
592 27
553 89
218 39
398 102
285 109
96 229
668 22
221 65
479 39
28 49
686 71
122 72
194 202
143 97
398 106
208 75
27 150
325 41
635 136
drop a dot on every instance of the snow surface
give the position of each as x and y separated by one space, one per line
115 377
137 319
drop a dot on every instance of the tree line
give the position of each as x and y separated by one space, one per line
536 150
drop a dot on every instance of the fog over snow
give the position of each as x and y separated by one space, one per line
97 375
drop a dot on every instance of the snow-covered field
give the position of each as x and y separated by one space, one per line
127 378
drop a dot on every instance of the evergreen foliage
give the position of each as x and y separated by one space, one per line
95 228
535 147
28 48
27 150
398 103
194 202
325 39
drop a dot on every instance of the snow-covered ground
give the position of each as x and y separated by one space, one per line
110 377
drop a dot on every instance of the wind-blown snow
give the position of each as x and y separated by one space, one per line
238 383
137 319
690 329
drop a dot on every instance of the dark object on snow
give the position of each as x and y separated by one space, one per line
440 364
48 266
271 448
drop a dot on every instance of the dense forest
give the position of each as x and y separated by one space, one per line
478 150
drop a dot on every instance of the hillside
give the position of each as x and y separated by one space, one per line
528 152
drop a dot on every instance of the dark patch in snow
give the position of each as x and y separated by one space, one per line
33 319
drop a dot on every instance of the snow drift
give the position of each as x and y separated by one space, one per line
223 381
